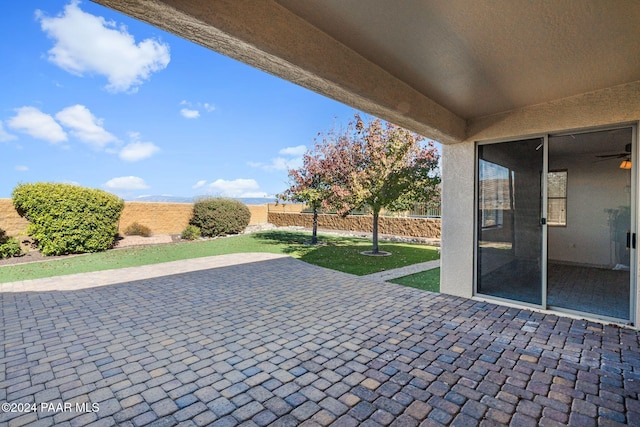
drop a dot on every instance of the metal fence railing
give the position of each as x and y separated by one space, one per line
423 210
419 210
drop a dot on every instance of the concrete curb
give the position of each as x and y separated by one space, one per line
384 276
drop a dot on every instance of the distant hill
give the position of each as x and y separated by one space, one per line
178 199
163 199
257 200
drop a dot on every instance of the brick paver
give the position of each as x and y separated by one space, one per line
280 342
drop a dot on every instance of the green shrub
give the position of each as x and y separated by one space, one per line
9 246
66 219
220 216
137 229
191 232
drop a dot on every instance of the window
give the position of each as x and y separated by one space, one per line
557 198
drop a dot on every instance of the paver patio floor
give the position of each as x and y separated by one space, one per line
286 343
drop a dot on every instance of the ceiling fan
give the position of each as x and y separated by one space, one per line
627 153
626 156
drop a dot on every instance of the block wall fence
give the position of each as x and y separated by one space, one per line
161 218
172 218
409 227
10 221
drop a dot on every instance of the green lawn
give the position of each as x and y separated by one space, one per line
338 253
426 280
343 253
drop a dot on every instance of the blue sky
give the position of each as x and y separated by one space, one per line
92 97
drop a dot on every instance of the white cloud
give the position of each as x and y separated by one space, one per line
199 184
137 150
5 136
84 43
85 126
293 160
126 183
21 168
80 122
193 110
297 151
278 164
236 188
39 125
190 114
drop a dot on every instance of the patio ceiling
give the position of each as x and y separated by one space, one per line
433 66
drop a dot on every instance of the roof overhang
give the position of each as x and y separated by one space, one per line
433 66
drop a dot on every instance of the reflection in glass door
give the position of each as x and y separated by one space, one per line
510 227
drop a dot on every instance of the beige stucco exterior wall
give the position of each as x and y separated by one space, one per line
161 218
411 227
456 246
617 105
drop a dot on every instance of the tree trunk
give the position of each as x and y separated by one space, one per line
314 233
375 231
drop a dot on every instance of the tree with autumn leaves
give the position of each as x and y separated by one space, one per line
308 186
372 164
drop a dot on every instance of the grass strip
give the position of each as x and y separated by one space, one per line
425 280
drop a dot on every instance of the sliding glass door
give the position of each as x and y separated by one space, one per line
590 237
509 221
555 224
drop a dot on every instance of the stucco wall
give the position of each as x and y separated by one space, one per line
456 248
413 227
161 218
620 104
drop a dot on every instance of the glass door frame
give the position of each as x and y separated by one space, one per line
634 271
543 218
633 260
543 207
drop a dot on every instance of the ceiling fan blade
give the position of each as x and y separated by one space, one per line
611 156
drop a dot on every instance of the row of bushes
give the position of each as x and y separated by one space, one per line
66 219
